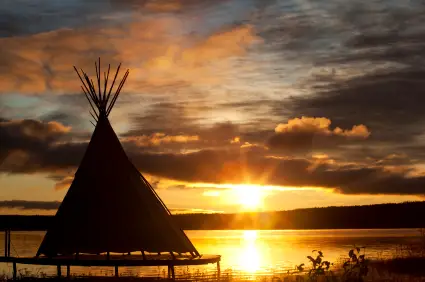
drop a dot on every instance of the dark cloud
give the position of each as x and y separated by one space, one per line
29 134
32 146
236 167
167 117
30 205
375 77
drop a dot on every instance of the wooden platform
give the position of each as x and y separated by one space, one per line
115 261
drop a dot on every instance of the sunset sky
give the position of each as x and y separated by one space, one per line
229 106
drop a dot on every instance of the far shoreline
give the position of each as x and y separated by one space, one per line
403 216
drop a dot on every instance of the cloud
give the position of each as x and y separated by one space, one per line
30 205
239 167
157 139
250 164
320 126
29 145
156 50
376 72
29 135
163 6
308 133
64 183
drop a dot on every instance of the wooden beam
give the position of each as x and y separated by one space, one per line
173 274
93 117
68 271
9 240
143 255
14 271
116 271
59 271
106 77
5 243
98 80
88 99
218 271
113 82
117 93
82 81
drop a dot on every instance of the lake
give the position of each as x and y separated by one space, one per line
250 251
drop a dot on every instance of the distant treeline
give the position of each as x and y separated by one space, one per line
404 215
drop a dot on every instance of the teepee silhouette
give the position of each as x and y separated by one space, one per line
110 207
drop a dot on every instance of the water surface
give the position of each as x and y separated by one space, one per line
249 251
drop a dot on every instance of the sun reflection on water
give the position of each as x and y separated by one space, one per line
250 255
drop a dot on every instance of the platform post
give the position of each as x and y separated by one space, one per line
169 272
218 271
14 270
173 275
68 270
116 271
59 271
5 242
9 240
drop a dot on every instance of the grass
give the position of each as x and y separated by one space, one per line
413 266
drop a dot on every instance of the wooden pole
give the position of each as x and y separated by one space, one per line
116 271
169 272
14 271
173 275
68 271
218 271
59 271
9 240
5 242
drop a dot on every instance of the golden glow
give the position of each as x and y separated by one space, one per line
250 255
211 193
250 198
250 235
241 186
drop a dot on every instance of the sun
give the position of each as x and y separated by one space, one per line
250 197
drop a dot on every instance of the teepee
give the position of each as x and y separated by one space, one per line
110 207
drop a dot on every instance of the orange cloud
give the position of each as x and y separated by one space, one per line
320 125
34 129
163 6
64 183
310 134
157 51
157 139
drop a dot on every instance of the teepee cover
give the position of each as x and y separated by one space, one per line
110 206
